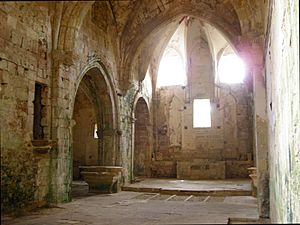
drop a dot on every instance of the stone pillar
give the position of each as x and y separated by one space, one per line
132 121
261 140
63 96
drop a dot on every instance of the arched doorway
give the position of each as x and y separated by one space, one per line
94 138
85 143
142 140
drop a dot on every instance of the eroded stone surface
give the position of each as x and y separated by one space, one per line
57 44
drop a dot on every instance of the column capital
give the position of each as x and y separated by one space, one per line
67 58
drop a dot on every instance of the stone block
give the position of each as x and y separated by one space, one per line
22 93
12 68
16 38
3 64
237 169
165 169
183 170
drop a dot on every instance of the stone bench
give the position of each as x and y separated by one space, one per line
106 179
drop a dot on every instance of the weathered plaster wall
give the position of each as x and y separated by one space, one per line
282 72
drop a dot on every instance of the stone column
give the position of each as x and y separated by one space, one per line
63 96
251 49
132 120
261 140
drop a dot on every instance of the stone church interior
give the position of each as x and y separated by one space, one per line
150 112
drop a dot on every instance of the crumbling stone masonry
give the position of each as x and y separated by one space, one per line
73 70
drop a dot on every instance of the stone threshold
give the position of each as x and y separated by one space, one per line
189 192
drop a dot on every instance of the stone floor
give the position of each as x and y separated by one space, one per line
181 203
143 208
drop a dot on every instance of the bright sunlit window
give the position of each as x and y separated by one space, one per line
201 113
95 131
231 69
171 69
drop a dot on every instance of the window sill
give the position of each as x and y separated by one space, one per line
42 147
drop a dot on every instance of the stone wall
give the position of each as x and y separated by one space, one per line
55 44
222 151
91 51
25 43
282 72
34 173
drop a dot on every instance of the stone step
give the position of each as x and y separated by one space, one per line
189 192
80 188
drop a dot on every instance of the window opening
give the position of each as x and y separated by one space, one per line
171 69
231 69
96 131
201 113
38 132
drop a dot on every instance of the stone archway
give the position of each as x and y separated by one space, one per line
142 141
94 141
85 145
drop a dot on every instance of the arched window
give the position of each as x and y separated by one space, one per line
231 69
171 69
